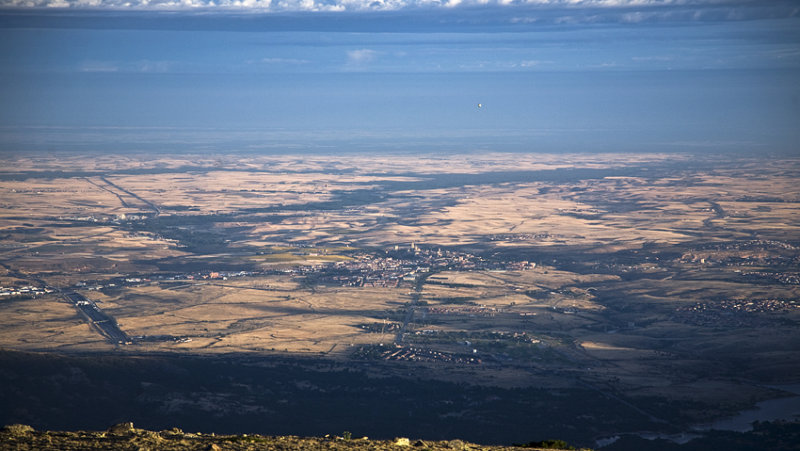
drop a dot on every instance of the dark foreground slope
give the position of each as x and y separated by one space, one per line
283 396
271 396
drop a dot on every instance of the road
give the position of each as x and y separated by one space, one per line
420 282
118 191
149 204
103 322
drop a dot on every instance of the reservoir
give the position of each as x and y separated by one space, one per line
774 409
787 409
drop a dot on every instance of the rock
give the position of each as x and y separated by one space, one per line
213 447
121 428
149 434
456 444
402 441
172 432
419 444
18 429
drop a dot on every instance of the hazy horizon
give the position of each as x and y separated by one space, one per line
550 77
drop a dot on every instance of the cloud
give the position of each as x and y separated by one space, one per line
98 66
532 63
432 15
284 61
641 7
360 56
142 66
648 59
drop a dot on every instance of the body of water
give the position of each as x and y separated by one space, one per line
787 409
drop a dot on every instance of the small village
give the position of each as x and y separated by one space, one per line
25 291
752 253
782 277
734 312
470 310
413 354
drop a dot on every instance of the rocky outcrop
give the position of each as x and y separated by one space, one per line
124 436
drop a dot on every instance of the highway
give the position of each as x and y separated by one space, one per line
420 282
104 323
149 204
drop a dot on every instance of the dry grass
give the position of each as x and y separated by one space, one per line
623 334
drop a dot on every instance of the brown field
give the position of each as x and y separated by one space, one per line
620 256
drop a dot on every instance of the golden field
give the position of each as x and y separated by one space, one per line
652 274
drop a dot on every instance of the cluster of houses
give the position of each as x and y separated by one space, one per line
388 271
740 260
786 278
364 269
521 236
733 312
751 244
484 337
471 310
122 217
383 328
415 354
744 253
144 280
25 291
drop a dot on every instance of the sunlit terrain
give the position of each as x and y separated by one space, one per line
655 280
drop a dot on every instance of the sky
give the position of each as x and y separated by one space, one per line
400 75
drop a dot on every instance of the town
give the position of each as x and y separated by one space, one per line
734 312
